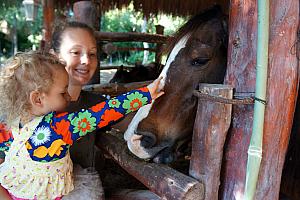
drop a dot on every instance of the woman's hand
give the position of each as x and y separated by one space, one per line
4 195
154 89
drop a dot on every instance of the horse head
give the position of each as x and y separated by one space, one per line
198 55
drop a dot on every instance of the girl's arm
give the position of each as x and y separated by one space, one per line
54 135
100 115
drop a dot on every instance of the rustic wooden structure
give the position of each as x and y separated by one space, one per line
172 184
282 92
281 95
211 125
48 14
114 89
148 7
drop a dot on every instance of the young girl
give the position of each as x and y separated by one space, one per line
34 92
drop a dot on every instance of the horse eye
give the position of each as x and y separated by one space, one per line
199 61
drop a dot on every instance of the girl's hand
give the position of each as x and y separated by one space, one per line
154 89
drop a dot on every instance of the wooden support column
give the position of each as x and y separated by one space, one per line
160 31
48 19
210 130
160 179
240 74
86 12
281 94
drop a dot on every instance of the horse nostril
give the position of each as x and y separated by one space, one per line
148 140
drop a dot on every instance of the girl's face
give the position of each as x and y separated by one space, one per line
57 98
78 50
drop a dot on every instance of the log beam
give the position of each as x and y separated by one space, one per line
160 179
114 89
210 130
130 36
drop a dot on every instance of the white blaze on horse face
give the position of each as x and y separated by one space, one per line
144 111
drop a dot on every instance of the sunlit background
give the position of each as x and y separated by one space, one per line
17 34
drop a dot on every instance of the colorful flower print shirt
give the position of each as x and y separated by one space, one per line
56 132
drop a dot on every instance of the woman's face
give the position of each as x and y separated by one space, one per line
78 49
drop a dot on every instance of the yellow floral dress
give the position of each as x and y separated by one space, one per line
25 178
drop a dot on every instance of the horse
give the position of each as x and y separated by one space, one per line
198 54
138 73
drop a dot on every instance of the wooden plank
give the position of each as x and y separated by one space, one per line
130 36
281 94
210 130
108 67
114 89
135 49
160 179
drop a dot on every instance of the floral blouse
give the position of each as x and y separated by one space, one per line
56 132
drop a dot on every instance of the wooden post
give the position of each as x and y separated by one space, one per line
241 75
48 18
159 30
210 130
86 12
160 179
281 93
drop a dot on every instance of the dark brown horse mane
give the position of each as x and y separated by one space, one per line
193 24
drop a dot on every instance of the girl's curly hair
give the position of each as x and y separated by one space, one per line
22 74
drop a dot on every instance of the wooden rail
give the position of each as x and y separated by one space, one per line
114 89
130 36
160 179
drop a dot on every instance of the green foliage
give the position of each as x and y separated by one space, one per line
117 20
129 20
28 33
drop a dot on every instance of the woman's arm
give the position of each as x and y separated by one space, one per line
4 195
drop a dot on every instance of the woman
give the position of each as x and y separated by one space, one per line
75 45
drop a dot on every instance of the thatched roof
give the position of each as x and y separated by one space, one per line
174 7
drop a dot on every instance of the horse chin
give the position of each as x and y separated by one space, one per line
135 146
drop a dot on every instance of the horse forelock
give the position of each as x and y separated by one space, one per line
143 112
192 25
